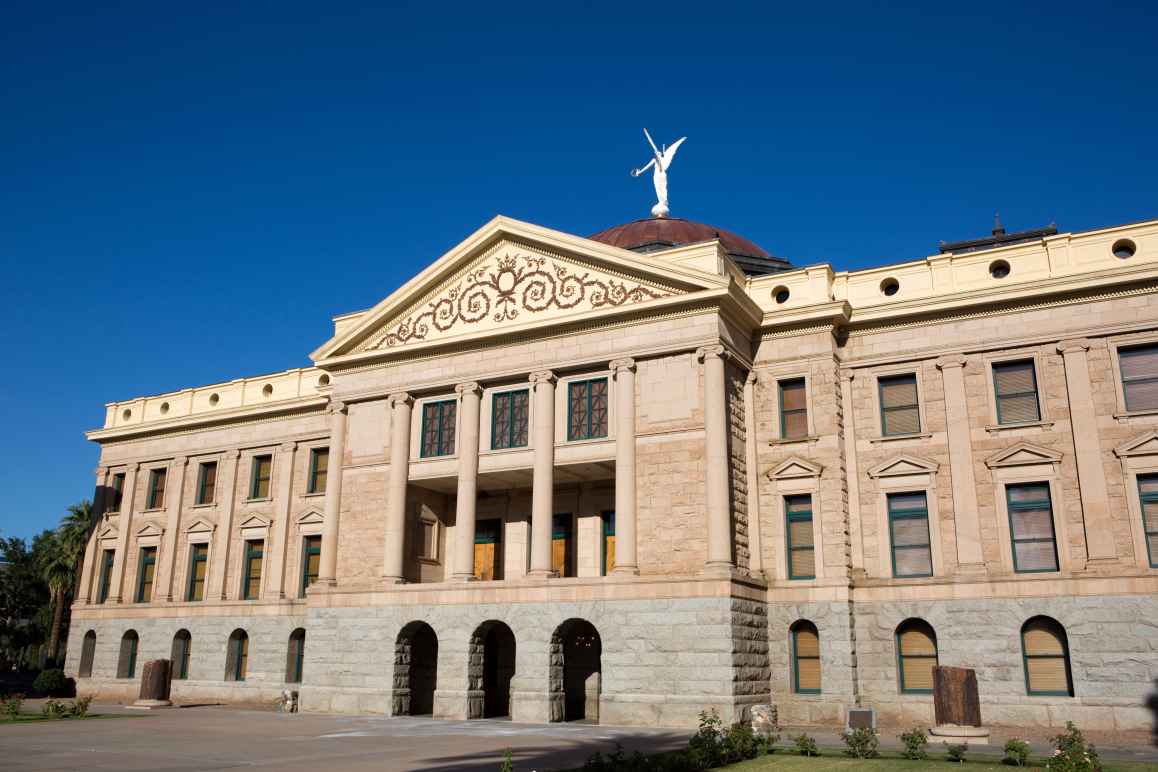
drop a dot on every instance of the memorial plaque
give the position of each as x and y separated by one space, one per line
155 682
955 698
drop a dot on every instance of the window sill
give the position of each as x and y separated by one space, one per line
205 505
899 437
313 495
259 501
586 440
428 561
500 451
795 440
147 510
1128 414
994 428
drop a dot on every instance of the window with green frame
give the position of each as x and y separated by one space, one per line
198 568
587 409
509 412
607 553
438 428
127 661
237 658
117 492
793 409
900 413
1015 389
319 470
800 541
145 573
206 483
295 656
916 656
1139 369
108 557
909 534
562 545
179 653
311 560
260 470
1031 527
156 497
1046 656
805 658
251 579
1148 499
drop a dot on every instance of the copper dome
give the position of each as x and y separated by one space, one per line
658 233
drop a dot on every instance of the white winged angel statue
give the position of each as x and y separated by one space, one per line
659 163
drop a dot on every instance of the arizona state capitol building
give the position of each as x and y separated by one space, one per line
654 471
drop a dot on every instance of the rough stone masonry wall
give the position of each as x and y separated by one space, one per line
836 663
738 465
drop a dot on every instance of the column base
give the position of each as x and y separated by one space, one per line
393 580
327 582
463 578
720 568
541 573
625 571
972 569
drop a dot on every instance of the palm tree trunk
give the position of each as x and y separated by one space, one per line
57 623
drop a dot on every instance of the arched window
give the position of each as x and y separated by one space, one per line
127 662
1047 658
295 656
237 657
916 656
805 658
87 653
180 654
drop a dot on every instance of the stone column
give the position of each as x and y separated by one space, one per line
751 461
1096 514
966 521
328 560
716 466
852 474
163 586
543 479
222 535
626 553
466 501
283 496
124 525
99 502
400 407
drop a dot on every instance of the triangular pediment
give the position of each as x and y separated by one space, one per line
1023 454
254 521
108 533
903 465
149 530
200 527
795 467
508 277
312 517
1143 445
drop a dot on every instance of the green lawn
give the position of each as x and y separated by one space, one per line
31 718
835 761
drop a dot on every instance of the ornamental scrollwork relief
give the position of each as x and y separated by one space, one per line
505 289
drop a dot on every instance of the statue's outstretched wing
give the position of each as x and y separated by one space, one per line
671 151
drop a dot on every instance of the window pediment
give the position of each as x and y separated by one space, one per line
1023 454
1143 445
108 533
902 465
794 468
311 517
149 533
200 526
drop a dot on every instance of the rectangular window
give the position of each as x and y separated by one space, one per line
909 533
107 558
1031 527
438 428
145 573
319 469
117 493
801 547
198 567
259 477
156 498
561 543
608 556
509 411
1148 497
587 409
793 409
488 555
1140 377
251 580
1015 388
206 483
899 411
311 559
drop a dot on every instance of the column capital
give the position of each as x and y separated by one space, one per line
470 387
180 460
288 447
400 398
714 350
337 406
1073 345
102 471
950 361
625 363
231 455
543 376
752 377
847 375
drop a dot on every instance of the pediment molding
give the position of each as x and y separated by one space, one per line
794 468
150 530
901 465
254 521
108 533
199 531
1142 445
311 517
1023 454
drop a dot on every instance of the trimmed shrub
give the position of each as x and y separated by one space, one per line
957 752
1072 753
861 743
806 746
80 707
916 743
53 683
1016 752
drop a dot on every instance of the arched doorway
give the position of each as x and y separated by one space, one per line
415 670
491 669
575 671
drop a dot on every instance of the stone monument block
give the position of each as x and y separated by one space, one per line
957 706
155 683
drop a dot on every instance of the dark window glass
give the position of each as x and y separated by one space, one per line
509 419
87 654
145 573
107 558
237 661
909 533
562 557
1031 527
311 559
295 657
899 411
587 409
608 554
207 482
793 409
156 498
127 661
251 581
801 546
198 567
319 469
118 492
438 428
1148 497
1140 377
1015 387
182 643
259 477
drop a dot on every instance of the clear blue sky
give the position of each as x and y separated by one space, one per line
187 195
